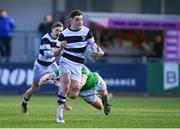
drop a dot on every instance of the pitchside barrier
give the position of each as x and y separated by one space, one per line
16 78
132 78
163 79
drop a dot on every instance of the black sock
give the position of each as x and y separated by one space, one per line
105 99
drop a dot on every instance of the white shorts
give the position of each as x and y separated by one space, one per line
90 96
74 69
40 70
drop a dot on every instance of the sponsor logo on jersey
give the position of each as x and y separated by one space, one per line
83 38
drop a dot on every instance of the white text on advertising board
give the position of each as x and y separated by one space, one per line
127 82
16 77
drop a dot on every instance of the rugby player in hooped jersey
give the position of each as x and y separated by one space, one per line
72 58
45 62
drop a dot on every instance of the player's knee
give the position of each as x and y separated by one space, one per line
98 105
66 85
72 97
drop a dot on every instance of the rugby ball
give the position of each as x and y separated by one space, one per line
91 48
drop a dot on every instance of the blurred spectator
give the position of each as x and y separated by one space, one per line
43 28
46 25
7 27
146 49
146 46
106 39
158 47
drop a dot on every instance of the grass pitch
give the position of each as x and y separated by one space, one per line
127 112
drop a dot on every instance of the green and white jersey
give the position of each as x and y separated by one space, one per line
92 79
90 96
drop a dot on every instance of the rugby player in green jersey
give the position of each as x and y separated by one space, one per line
94 90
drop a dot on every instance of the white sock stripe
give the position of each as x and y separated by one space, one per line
25 100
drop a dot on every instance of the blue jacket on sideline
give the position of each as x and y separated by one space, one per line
7 26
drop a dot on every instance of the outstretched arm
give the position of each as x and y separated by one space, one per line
45 78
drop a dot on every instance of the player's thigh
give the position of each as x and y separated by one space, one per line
89 98
65 79
94 100
35 85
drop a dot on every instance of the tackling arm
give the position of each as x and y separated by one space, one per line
46 77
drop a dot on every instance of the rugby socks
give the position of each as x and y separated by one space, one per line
60 102
61 98
105 98
25 100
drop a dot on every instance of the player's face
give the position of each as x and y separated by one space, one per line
57 31
77 22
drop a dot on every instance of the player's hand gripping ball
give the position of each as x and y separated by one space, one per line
90 49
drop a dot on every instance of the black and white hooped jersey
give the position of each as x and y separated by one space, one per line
48 43
77 41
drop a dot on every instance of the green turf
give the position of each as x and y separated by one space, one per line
127 112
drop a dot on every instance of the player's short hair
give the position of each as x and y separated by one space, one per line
75 13
57 24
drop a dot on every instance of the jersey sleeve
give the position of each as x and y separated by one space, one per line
60 39
45 44
90 38
45 48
